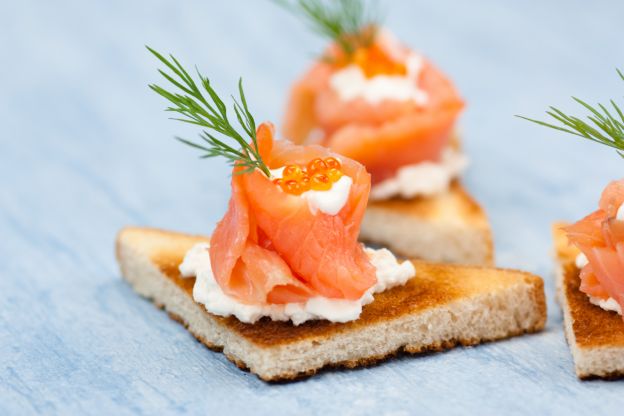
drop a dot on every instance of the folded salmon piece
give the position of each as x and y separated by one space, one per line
383 135
600 237
270 247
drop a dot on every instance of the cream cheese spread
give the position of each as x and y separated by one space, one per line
581 261
620 213
351 83
330 201
389 272
606 304
422 179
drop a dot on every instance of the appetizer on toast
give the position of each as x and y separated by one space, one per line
590 258
283 287
372 99
441 307
595 335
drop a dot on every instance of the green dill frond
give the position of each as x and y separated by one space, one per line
350 23
605 123
209 111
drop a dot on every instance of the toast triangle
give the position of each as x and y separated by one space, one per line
447 227
595 336
443 306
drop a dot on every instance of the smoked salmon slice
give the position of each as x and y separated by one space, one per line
271 248
383 135
600 236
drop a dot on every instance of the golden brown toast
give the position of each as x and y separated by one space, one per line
444 305
595 336
449 227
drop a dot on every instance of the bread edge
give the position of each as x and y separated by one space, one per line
466 242
586 359
207 329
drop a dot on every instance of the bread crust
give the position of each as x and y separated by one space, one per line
590 330
434 287
448 227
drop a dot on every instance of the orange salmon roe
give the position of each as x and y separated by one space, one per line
318 175
316 165
334 174
320 182
292 172
305 183
373 60
292 187
333 163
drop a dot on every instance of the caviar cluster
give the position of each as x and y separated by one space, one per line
373 61
318 175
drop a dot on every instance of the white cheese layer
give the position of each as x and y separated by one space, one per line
608 304
351 83
422 179
389 271
581 261
329 202
620 213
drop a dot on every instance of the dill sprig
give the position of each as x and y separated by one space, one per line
605 126
350 23
211 113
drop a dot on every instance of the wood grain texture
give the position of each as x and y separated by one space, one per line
85 149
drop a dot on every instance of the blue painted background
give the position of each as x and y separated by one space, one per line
86 149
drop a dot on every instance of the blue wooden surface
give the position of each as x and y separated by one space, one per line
86 149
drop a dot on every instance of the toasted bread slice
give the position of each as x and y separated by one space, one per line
449 227
444 305
595 336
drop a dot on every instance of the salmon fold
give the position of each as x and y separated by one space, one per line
600 237
271 248
384 135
